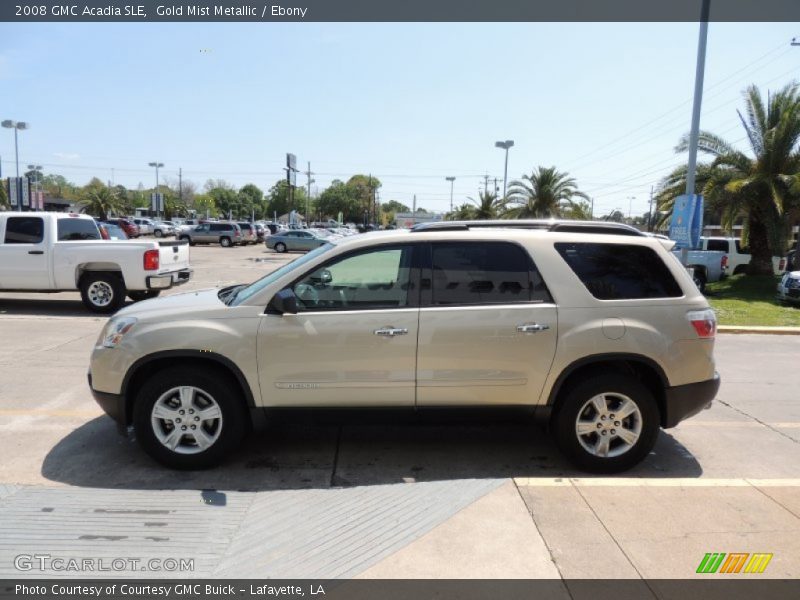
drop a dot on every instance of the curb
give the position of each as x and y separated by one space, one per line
758 329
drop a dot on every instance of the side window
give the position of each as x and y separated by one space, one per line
620 271
718 245
216 227
24 230
378 278
77 229
484 273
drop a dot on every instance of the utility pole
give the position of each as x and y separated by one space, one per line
650 212
308 193
180 184
591 210
414 209
485 184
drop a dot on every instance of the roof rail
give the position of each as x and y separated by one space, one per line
605 227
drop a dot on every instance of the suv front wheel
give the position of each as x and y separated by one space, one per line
188 419
607 423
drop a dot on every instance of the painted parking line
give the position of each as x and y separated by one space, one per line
653 482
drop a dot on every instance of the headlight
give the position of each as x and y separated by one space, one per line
114 331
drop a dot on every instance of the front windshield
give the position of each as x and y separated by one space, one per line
260 284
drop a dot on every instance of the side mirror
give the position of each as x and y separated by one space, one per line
322 277
284 302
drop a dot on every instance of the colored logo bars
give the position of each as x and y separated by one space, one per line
736 562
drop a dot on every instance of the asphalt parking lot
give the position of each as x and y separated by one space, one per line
384 500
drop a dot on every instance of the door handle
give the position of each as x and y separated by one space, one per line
391 331
35 251
532 328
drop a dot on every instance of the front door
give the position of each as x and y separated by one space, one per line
353 341
24 255
488 327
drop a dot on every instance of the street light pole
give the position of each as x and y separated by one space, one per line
505 145
16 126
698 98
452 181
630 200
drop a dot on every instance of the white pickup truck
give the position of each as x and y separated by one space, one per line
707 266
738 257
55 252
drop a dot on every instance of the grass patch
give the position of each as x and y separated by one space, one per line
750 300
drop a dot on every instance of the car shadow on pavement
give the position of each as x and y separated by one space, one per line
47 307
348 453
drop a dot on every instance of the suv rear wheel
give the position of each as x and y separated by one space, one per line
225 242
188 419
607 423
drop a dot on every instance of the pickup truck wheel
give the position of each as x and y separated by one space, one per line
140 295
607 424
225 242
280 247
102 292
187 418
700 282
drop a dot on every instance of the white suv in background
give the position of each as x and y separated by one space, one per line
595 327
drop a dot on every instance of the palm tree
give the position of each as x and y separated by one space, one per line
544 193
99 200
762 190
488 206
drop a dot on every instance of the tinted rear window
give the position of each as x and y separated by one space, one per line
620 271
718 245
484 273
77 229
24 230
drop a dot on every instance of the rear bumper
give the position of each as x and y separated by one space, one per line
684 401
168 280
112 404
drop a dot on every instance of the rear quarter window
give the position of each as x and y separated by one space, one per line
717 245
619 271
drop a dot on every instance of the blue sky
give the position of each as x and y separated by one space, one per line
409 103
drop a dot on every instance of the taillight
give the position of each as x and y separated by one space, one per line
724 262
151 260
704 322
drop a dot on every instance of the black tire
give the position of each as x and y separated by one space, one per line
140 295
225 242
212 383
700 281
186 238
572 406
158 233
740 269
280 247
102 292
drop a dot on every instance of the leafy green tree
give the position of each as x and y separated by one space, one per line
205 205
57 186
546 192
279 201
578 210
395 207
99 200
363 188
761 190
339 197
4 203
465 212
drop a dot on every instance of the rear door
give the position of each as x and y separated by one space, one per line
487 328
24 254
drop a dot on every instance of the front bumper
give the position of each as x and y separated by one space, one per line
168 280
112 404
684 401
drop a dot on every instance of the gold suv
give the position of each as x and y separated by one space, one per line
594 326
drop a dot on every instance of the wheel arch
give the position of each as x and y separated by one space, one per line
153 363
97 267
645 369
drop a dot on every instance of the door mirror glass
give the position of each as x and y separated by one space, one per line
284 302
